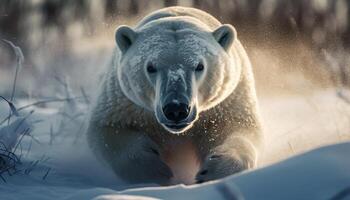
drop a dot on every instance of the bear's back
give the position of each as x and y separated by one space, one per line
177 11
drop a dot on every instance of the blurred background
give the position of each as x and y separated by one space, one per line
299 50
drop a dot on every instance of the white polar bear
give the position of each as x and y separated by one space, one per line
180 83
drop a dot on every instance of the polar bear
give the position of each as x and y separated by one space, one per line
180 85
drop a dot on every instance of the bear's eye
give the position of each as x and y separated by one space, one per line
151 69
200 67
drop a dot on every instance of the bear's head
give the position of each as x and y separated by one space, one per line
176 69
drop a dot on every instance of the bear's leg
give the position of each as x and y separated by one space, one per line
133 156
234 155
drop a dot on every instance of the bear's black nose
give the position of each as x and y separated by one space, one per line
176 112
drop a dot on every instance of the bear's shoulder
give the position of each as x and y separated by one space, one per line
178 11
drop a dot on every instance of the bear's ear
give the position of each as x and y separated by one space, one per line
124 36
225 36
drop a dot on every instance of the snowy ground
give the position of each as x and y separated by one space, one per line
58 165
297 123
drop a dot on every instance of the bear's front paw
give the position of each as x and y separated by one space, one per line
151 159
150 166
218 166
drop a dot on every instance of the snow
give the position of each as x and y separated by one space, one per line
66 169
305 176
177 75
